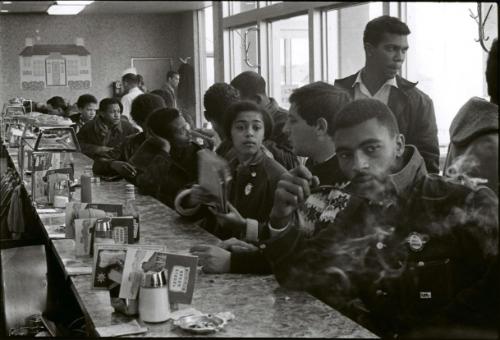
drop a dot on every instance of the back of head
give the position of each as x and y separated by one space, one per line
130 78
57 103
375 29
85 99
362 110
242 106
106 102
167 97
249 84
143 105
159 121
171 74
319 100
217 99
492 72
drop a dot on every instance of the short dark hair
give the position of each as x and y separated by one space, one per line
375 29
217 99
103 104
167 97
362 110
130 78
492 72
143 105
249 83
170 74
85 99
245 105
319 100
57 103
159 121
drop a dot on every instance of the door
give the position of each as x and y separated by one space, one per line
153 70
56 72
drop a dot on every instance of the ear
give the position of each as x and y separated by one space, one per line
321 127
400 145
368 49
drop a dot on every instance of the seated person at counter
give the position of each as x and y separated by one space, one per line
252 86
87 107
56 106
115 162
254 175
309 127
407 251
216 100
106 130
167 160
473 149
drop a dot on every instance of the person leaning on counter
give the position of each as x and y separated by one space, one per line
106 130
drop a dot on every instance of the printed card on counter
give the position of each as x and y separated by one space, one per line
128 328
122 229
83 235
181 277
108 265
76 210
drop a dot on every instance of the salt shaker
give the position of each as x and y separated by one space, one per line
153 297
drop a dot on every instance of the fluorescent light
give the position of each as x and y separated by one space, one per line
4 11
76 3
65 10
6 2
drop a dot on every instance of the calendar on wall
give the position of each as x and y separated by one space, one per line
50 65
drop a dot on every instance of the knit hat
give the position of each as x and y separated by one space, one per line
143 105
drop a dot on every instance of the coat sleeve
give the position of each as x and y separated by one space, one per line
425 136
102 165
87 142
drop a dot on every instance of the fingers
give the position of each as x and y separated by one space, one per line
200 248
234 210
302 172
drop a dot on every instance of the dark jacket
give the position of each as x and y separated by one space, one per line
167 173
123 152
414 112
414 260
95 134
474 135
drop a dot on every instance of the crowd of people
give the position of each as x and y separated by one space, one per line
340 195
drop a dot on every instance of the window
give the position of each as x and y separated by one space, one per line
289 48
73 67
83 61
440 47
344 31
209 46
38 68
236 7
244 50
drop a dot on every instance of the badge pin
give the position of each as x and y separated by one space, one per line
248 189
416 241
253 174
426 295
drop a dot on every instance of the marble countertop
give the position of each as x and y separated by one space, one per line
261 307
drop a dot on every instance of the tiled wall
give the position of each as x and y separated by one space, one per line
111 39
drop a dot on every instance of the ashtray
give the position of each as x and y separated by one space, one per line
200 324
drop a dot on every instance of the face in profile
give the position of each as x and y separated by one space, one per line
247 133
367 155
54 111
174 80
112 114
299 133
88 112
180 131
389 54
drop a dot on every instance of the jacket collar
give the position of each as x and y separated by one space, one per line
348 82
413 170
102 128
272 107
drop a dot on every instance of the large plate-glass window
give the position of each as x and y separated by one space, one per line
209 46
345 27
236 7
244 50
289 51
444 57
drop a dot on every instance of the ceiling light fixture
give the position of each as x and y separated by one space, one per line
7 2
4 11
65 10
74 3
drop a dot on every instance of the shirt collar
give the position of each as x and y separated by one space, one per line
389 82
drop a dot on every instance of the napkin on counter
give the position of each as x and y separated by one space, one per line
128 328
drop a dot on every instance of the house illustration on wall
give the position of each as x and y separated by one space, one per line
55 65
